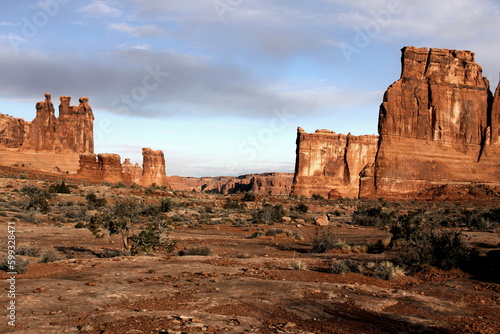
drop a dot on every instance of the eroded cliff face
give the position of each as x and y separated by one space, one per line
438 124
328 164
12 131
153 168
70 133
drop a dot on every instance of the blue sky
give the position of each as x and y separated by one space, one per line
221 85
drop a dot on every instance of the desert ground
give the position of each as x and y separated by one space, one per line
245 263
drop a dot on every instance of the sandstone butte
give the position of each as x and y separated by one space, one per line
439 126
65 145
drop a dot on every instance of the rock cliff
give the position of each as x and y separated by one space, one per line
12 131
71 132
153 168
328 164
438 124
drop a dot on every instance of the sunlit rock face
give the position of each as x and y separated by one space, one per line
438 124
329 164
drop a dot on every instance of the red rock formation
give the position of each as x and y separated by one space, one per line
110 167
89 167
103 167
71 132
75 126
437 126
328 164
262 184
272 183
12 131
153 168
131 172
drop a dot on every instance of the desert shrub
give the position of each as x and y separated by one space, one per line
153 237
338 267
74 213
249 197
298 265
167 205
19 265
38 198
269 214
233 204
29 250
273 232
324 239
60 188
28 217
193 251
256 234
116 220
387 270
354 266
317 197
301 207
444 250
372 216
49 256
80 225
94 202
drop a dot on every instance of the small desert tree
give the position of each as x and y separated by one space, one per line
117 220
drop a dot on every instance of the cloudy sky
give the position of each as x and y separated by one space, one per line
221 85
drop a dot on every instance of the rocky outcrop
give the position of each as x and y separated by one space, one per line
438 124
329 164
262 184
132 173
102 167
12 131
153 168
75 126
71 132
272 183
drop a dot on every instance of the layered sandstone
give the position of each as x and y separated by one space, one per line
438 124
153 168
262 184
132 172
12 131
272 183
102 167
71 132
329 164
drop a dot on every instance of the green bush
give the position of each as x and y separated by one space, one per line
317 197
256 234
153 237
38 198
233 204
167 205
338 267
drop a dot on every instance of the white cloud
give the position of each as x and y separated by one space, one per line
137 31
5 23
101 9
